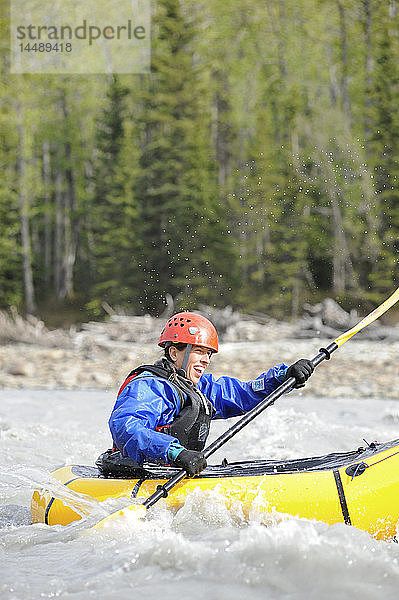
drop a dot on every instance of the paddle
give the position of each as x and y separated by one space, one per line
324 354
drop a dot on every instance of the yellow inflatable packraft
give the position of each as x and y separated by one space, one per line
359 488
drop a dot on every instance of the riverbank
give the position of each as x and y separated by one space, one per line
360 368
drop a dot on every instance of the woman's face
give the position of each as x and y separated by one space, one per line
198 361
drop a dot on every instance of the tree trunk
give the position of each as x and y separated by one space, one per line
58 230
368 69
343 273
70 226
65 240
24 218
344 60
222 137
47 218
70 220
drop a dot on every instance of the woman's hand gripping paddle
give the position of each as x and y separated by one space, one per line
139 510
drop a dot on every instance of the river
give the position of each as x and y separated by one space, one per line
202 551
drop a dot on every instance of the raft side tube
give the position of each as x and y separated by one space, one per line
331 489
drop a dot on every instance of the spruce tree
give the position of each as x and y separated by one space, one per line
384 143
186 248
11 280
116 234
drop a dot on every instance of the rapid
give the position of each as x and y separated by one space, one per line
203 550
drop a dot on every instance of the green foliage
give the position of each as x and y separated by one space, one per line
115 277
384 143
11 289
186 250
256 165
11 283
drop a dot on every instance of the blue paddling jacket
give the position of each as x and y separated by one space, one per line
147 403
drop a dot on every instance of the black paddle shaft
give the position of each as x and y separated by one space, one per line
162 490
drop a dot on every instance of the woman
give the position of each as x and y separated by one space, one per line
163 411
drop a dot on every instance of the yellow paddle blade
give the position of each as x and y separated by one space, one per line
344 337
133 512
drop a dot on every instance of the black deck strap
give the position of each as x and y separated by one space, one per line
50 504
137 487
342 499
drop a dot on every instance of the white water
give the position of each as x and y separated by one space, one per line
203 551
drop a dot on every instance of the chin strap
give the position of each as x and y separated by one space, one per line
186 356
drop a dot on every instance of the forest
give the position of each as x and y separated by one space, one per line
256 166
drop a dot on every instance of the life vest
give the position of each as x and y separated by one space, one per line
191 426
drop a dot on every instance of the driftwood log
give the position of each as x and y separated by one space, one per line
326 319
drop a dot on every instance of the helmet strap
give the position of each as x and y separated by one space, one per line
186 356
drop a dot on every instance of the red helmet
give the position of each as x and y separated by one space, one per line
189 328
